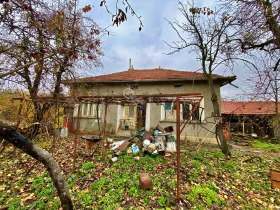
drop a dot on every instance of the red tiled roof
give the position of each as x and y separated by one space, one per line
157 74
253 108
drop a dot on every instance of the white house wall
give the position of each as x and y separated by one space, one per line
155 88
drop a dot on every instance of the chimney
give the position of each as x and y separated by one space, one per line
129 65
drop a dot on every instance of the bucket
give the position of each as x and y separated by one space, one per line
151 148
146 143
171 146
109 140
63 132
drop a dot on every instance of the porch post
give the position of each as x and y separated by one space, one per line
178 141
243 128
104 131
148 117
77 131
119 115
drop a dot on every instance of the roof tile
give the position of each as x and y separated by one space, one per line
248 108
156 74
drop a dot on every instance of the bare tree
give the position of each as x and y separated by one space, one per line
258 21
41 43
258 35
207 33
258 25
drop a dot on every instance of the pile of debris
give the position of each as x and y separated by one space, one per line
160 141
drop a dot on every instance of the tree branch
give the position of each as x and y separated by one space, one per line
21 142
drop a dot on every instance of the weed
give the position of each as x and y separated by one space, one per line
162 201
85 199
193 174
196 164
228 166
15 204
88 165
134 191
170 171
266 146
218 154
198 156
208 192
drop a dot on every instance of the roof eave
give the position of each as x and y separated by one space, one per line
227 80
223 81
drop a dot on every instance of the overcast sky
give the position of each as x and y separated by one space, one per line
147 49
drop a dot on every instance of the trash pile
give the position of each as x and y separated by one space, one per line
160 141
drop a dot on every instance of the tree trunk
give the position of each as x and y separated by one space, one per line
219 130
21 142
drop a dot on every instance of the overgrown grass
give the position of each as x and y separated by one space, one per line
266 146
208 181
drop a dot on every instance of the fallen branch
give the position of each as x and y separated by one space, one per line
21 142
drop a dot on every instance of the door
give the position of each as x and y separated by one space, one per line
130 116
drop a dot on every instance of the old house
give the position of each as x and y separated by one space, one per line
249 117
133 112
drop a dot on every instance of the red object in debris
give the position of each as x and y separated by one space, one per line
169 129
67 123
226 134
145 181
148 135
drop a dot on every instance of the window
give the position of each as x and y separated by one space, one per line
187 107
169 111
133 87
178 86
131 111
87 110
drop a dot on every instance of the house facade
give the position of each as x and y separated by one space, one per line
133 112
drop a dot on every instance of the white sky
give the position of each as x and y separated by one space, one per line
147 48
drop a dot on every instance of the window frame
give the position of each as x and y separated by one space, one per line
178 86
87 110
200 111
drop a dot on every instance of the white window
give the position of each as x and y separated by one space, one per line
87 110
169 111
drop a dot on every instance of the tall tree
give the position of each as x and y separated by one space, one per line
42 43
258 25
258 35
263 77
258 21
207 33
